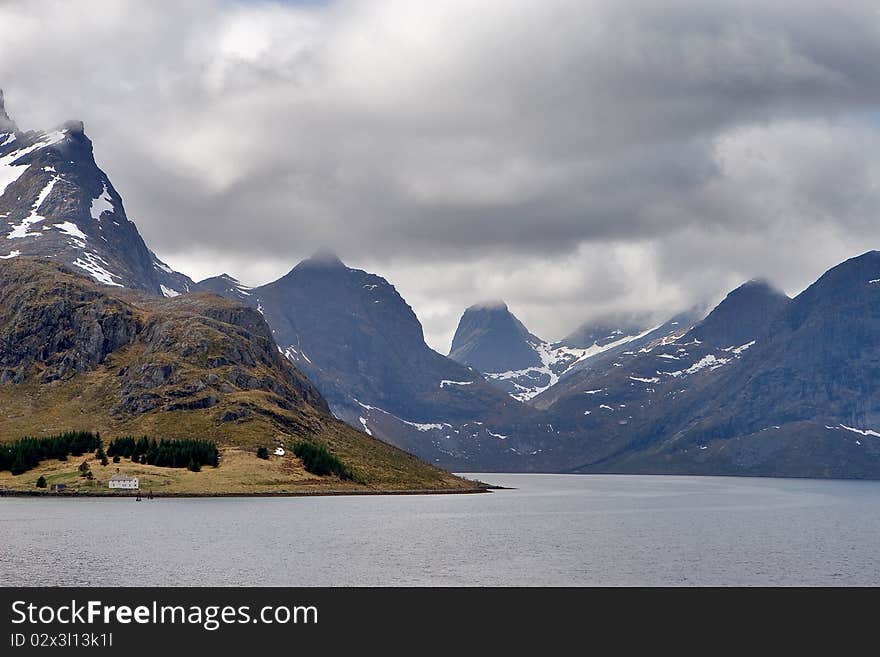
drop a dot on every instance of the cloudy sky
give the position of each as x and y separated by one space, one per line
575 158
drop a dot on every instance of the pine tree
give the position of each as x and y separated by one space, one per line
18 465
41 482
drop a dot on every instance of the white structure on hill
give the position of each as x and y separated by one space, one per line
124 481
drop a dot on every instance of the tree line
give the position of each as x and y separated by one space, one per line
26 453
166 453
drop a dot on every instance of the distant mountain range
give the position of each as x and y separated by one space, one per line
762 384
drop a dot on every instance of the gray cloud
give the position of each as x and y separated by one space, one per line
575 158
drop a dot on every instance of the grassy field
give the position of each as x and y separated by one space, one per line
43 410
240 473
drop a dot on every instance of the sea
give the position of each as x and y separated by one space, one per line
544 530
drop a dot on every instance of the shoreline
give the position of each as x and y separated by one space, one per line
317 493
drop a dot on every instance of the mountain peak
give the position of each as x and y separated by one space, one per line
490 304
81 219
743 315
74 127
491 338
323 257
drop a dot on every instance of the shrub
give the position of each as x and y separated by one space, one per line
41 482
262 453
319 460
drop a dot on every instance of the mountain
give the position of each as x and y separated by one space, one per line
55 202
76 354
742 316
223 285
352 333
608 396
595 410
805 400
763 386
490 339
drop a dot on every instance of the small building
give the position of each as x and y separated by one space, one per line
57 488
124 482
279 451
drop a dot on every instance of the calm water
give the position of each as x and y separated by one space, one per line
552 530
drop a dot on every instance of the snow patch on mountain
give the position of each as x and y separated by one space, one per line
445 383
70 228
293 354
556 361
90 263
20 230
9 170
861 432
104 204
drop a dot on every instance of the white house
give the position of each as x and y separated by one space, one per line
279 451
124 481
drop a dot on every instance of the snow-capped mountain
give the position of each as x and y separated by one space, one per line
55 202
492 340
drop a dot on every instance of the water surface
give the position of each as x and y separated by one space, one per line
551 530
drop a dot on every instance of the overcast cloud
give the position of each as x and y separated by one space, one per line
574 158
